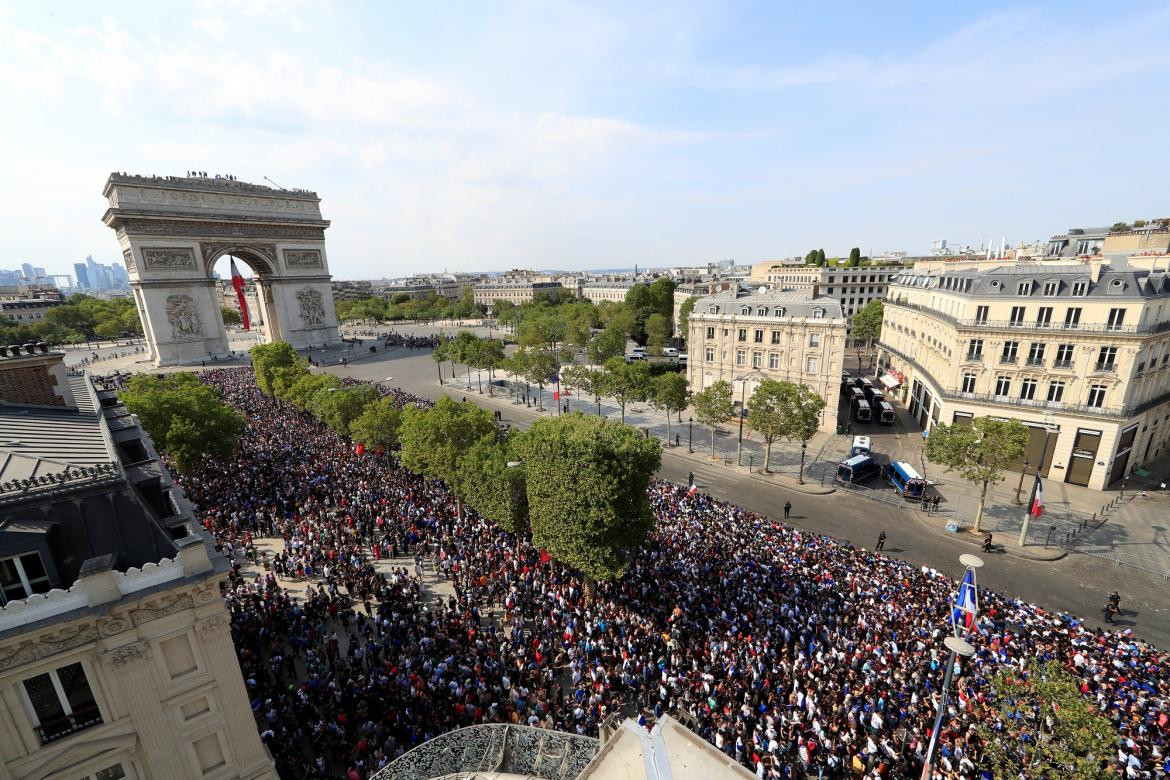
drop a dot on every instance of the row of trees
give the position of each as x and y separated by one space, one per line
402 306
184 417
80 318
577 484
817 257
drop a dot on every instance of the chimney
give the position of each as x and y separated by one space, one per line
31 375
1095 271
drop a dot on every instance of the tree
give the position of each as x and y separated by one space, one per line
713 405
639 297
441 353
186 419
657 332
854 257
433 440
669 393
108 329
610 342
662 297
577 378
979 452
231 315
463 349
494 489
1036 723
586 483
302 391
811 257
801 408
867 325
821 257
535 366
277 365
767 416
378 424
624 382
491 355
338 408
684 315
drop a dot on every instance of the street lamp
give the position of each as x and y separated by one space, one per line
743 380
690 428
1049 427
1020 486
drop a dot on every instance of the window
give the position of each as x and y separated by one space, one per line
1051 288
761 311
1036 354
742 335
62 702
1055 391
1106 357
810 365
1096 396
1116 319
1010 352
773 360
975 348
981 315
745 310
757 359
1064 356
818 314
968 383
1003 385
1080 288
775 337
1024 288
710 333
713 309
1017 316
741 357
814 339
1072 317
22 576
709 354
758 336
115 772
1028 389
1044 317
780 310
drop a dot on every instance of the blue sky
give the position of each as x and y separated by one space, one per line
485 136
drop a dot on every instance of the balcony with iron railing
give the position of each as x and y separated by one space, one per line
1034 361
1008 360
1107 367
1048 327
61 727
970 357
1058 363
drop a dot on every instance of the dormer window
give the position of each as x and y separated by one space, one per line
779 311
745 310
762 311
1024 288
1051 288
818 314
1080 288
713 309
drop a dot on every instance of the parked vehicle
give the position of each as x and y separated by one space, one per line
682 360
855 395
861 411
886 415
669 352
861 446
905 479
858 469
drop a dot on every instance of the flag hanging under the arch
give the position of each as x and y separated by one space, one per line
238 283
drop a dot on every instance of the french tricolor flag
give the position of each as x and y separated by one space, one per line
966 603
1036 508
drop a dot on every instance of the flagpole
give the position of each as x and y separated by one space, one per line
958 646
1039 468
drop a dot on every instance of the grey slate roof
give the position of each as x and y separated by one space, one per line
784 303
1114 282
36 442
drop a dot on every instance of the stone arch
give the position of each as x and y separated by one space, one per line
172 230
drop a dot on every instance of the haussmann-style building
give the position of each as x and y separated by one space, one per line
1078 352
116 659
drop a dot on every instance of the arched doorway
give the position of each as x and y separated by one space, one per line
174 230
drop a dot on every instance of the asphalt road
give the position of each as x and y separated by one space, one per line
1077 583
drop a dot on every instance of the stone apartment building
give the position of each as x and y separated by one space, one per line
792 335
517 291
1078 352
24 311
116 659
853 288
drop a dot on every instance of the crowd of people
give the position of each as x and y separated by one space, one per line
792 653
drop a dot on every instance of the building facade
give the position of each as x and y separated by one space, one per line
853 288
27 310
1080 353
517 292
116 659
790 336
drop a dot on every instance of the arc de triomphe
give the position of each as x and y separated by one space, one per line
172 229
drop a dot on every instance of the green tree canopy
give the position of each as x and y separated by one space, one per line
801 416
533 365
657 332
624 382
231 315
338 408
854 257
186 419
433 440
378 424
609 343
979 452
821 257
714 405
639 297
662 297
300 394
767 415
586 481
867 323
684 315
1052 730
811 257
277 366
495 490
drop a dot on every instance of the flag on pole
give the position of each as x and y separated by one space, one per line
694 489
966 602
238 283
1036 508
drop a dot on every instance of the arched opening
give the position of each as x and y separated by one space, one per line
255 272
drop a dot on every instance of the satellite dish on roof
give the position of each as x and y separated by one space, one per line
762 290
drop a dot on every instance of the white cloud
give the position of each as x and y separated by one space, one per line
214 26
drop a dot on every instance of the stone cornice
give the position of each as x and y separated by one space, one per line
201 184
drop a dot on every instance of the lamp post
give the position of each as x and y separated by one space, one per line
958 647
1049 425
1020 486
690 428
743 380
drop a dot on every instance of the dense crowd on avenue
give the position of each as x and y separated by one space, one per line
791 652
